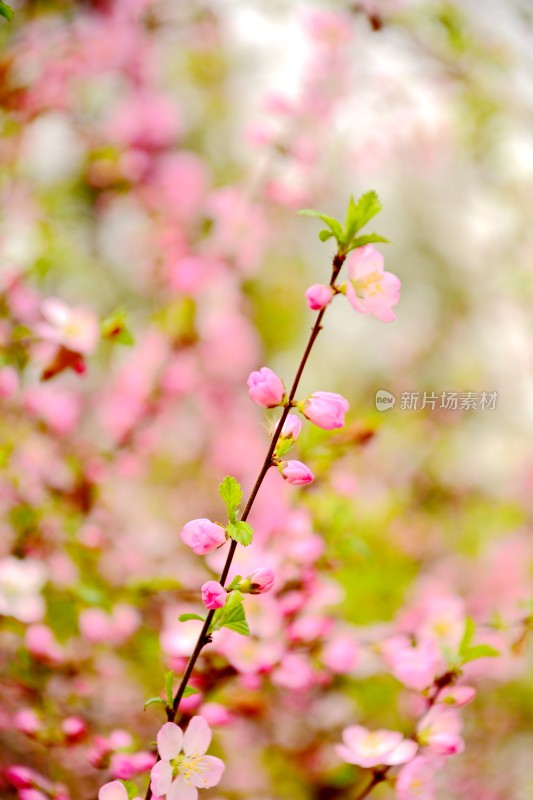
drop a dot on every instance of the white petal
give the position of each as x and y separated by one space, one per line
113 791
161 778
404 752
55 311
181 790
210 772
169 740
197 737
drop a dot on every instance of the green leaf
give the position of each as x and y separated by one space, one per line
331 222
479 651
231 616
468 635
189 691
154 700
187 617
231 493
235 582
325 235
131 789
360 213
6 11
370 238
241 532
169 687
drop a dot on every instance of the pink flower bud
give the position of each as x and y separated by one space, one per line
326 409
296 473
265 388
74 728
318 296
213 595
291 427
203 536
261 580
115 790
20 777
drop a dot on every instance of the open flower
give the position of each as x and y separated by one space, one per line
75 328
416 780
370 289
440 730
179 775
374 748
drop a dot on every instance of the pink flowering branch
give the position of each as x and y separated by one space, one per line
370 290
204 637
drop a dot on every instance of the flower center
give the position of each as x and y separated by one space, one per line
369 285
188 766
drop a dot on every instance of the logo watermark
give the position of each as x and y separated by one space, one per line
447 401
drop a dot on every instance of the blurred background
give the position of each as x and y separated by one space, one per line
154 155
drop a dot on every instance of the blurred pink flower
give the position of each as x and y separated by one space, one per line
265 388
202 536
9 382
416 780
179 775
439 731
415 666
374 748
370 289
325 409
75 328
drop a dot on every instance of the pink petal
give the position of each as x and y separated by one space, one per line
113 791
55 311
197 737
404 752
353 735
181 790
210 772
161 777
346 754
169 740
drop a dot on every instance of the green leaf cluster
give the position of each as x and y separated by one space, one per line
357 216
6 11
468 651
231 616
238 530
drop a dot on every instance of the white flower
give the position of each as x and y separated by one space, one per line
179 775
20 584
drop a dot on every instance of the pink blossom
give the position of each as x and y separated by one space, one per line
374 748
42 644
27 721
179 775
370 289
291 427
341 654
295 673
126 765
457 696
265 388
115 790
325 409
296 473
9 382
147 121
318 296
416 780
261 580
439 731
417 666
21 581
203 536
213 595
75 328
